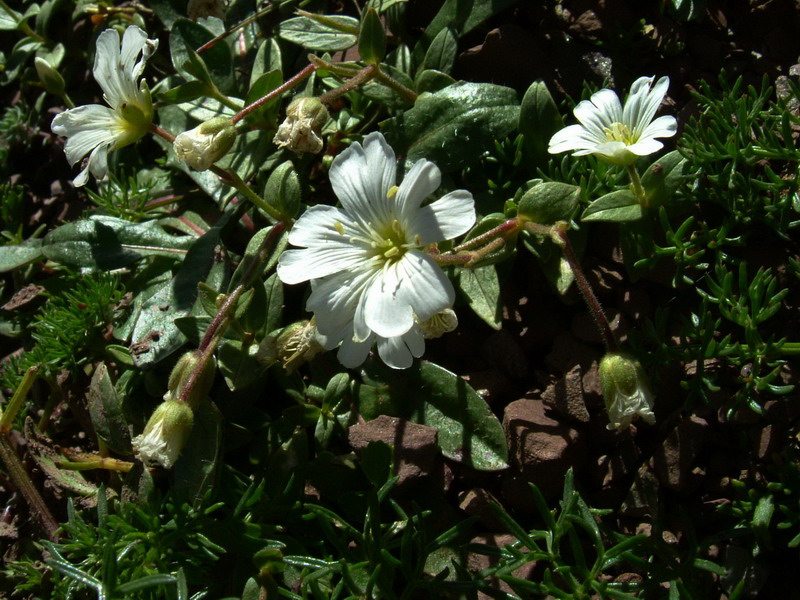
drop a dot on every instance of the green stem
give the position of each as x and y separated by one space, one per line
220 97
17 399
636 182
248 193
409 94
41 514
274 93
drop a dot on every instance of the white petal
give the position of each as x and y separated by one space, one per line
386 311
399 352
614 152
644 103
599 112
351 354
334 300
420 182
415 285
318 227
361 177
133 42
446 218
98 161
665 126
574 137
296 266
645 147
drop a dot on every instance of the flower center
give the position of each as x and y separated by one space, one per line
390 242
619 132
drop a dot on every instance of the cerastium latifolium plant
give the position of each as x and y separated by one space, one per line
245 317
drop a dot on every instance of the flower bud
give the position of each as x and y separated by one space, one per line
165 434
442 322
625 390
297 344
300 132
182 372
51 79
204 145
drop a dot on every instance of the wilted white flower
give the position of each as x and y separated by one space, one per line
371 278
626 391
298 343
618 135
442 322
300 131
165 434
204 145
95 128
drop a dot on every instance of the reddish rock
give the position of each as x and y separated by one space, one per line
477 502
673 460
566 396
416 454
540 448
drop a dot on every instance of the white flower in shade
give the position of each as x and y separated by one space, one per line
618 135
95 129
165 434
626 391
372 280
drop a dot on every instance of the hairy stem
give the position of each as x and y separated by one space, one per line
221 319
274 93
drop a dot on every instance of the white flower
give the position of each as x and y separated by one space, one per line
95 128
626 391
618 135
165 434
372 280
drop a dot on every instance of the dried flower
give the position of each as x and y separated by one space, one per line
204 145
300 132
625 390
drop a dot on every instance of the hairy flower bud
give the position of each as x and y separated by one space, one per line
165 434
300 132
204 145
625 390
181 374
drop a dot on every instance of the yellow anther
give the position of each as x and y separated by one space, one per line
392 191
393 251
338 227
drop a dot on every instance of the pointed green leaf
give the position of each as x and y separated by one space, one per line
616 207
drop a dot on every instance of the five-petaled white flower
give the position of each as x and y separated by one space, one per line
618 135
96 128
372 280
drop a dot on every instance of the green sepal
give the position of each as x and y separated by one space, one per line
616 207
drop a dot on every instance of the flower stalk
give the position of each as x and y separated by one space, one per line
205 351
558 234
289 84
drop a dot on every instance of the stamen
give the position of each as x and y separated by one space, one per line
392 191
338 227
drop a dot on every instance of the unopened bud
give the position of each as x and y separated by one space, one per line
297 344
181 374
300 131
204 145
51 79
165 434
625 390
442 322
